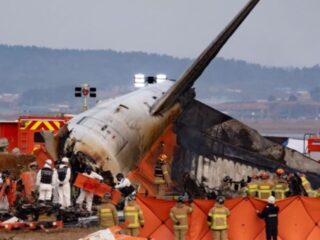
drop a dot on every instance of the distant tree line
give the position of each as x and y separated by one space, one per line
47 75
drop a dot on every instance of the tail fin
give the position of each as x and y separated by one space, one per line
199 65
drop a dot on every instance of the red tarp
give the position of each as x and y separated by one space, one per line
299 219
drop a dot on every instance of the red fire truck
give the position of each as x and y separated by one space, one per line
312 145
24 133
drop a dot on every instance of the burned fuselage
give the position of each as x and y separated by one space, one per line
117 133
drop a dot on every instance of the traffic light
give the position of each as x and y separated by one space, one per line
77 92
93 91
85 91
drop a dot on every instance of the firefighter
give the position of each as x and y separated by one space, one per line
295 185
108 215
226 187
179 216
217 220
307 186
133 216
252 186
162 176
270 215
280 187
85 195
46 180
64 175
4 188
264 187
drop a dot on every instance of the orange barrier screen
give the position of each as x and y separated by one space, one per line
97 188
143 175
299 219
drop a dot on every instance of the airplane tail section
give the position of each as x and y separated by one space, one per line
199 65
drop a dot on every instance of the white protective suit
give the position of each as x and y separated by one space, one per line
45 189
64 187
85 195
124 182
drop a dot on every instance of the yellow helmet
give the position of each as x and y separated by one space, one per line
163 156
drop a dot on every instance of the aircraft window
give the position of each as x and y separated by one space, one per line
104 127
154 97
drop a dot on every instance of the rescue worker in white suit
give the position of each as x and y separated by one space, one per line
85 195
64 174
46 180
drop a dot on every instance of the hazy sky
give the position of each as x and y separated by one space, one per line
277 33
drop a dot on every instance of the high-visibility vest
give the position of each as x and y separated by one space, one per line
106 218
161 173
264 191
180 214
132 215
218 218
280 190
307 186
252 189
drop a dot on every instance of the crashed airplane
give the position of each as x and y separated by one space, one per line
117 133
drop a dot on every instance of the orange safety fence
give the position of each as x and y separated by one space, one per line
143 175
299 219
96 187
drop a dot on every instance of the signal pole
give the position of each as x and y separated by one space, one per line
85 91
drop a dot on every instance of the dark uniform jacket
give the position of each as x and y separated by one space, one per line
270 215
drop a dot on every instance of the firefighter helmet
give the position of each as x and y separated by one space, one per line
264 175
107 195
220 199
180 199
163 157
132 197
279 171
48 161
119 176
271 200
227 179
65 160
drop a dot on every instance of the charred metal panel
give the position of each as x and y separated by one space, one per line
204 131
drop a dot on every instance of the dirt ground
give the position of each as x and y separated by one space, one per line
65 233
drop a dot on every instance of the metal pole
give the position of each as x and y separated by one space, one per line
85 103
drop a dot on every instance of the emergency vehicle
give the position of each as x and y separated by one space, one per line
312 145
25 132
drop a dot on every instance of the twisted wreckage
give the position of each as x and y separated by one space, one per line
120 134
